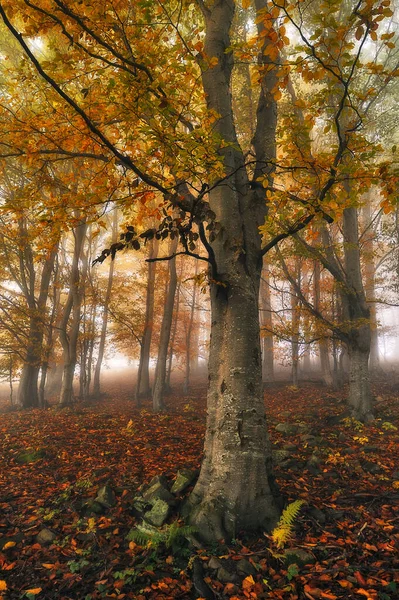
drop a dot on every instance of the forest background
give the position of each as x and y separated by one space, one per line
247 152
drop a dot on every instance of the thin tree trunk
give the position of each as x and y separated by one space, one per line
160 371
186 385
266 321
172 339
103 334
28 393
143 387
69 338
325 368
369 276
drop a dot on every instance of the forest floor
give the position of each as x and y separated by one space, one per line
345 540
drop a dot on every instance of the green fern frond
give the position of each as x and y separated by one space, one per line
172 536
283 531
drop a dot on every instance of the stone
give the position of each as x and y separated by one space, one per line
372 468
299 557
95 507
318 515
140 506
158 514
184 479
214 563
287 428
244 567
45 537
106 496
225 576
313 461
279 456
158 492
371 449
290 447
395 475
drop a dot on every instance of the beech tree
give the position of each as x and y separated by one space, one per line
126 81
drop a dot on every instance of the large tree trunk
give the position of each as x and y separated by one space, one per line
160 371
143 387
234 489
357 313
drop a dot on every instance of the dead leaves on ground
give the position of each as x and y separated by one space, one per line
354 536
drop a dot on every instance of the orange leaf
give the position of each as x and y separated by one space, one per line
3 585
33 591
248 583
48 565
9 545
360 579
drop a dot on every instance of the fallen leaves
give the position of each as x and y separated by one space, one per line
355 546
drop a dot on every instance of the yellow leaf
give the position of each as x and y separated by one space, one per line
246 3
248 582
33 591
9 545
3 585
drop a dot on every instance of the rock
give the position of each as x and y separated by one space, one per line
307 437
395 475
158 492
158 514
313 461
371 449
214 563
349 451
157 479
184 479
140 506
318 515
106 496
45 537
372 468
245 568
279 456
290 447
334 419
285 413
287 428
299 557
226 576
95 507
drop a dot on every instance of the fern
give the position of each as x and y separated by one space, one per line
171 536
283 531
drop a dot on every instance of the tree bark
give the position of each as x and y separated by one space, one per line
143 387
266 321
369 279
357 313
28 393
235 487
103 334
160 371
69 338
186 385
